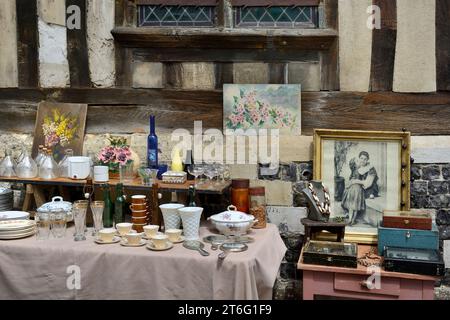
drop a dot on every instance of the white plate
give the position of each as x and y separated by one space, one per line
17 231
14 215
18 235
100 241
151 246
16 224
126 244
147 238
180 240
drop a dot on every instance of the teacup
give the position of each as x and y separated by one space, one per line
138 207
174 234
124 228
139 214
160 241
141 220
133 238
138 199
151 230
107 235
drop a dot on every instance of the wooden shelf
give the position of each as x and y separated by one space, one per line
216 38
134 185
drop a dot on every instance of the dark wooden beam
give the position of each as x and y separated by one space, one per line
224 74
278 73
311 39
383 47
422 114
222 55
27 43
329 60
77 51
443 44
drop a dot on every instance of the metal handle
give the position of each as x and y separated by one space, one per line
408 234
223 255
203 252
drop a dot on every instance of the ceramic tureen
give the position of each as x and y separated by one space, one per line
232 222
57 203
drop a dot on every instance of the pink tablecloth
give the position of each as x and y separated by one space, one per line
32 269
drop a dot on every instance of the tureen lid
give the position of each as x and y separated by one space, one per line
56 203
232 215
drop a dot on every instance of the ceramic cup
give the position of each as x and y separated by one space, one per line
151 230
133 238
124 228
160 241
171 216
141 220
107 235
138 199
138 206
190 216
174 234
139 214
101 173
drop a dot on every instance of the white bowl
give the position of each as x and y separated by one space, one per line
232 222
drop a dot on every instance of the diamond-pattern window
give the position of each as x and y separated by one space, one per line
176 16
276 17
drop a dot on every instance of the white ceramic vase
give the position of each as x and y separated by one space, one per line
171 216
190 216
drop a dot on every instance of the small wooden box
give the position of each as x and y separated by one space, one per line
407 238
417 261
419 220
328 253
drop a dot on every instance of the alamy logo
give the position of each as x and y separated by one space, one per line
73 282
374 280
73 17
374 20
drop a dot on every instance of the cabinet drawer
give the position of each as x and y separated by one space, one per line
357 283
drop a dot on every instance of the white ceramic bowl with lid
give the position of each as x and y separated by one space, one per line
232 222
57 203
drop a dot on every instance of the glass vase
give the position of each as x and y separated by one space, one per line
7 165
63 166
27 167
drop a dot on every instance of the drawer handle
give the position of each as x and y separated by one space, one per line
408 234
406 222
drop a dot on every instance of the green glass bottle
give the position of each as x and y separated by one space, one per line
191 202
119 204
108 211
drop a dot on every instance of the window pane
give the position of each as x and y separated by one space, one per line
276 17
176 16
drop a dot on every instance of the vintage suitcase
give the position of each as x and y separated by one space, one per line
337 254
408 238
420 220
417 261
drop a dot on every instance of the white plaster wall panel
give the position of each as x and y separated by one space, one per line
53 11
100 22
355 45
415 54
53 64
8 45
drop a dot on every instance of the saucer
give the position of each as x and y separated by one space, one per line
147 238
100 241
126 244
151 246
180 240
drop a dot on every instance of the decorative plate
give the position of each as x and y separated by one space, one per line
151 246
100 241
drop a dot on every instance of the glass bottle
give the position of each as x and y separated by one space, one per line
119 204
39 155
191 201
63 166
48 168
152 146
7 165
189 161
27 168
258 206
108 211
240 194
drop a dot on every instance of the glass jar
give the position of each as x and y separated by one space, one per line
258 206
63 166
48 168
240 195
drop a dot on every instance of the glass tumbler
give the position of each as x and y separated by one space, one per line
58 223
43 225
97 213
79 216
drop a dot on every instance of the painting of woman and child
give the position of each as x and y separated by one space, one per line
363 181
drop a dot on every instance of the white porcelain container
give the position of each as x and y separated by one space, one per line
101 174
232 222
171 216
190 217
79 168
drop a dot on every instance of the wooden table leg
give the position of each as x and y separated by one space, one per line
39 196
27 202
308 285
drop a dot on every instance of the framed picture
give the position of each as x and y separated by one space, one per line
365 172
262 106
60 126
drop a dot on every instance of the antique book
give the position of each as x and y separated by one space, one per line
337 254
418 219
417 261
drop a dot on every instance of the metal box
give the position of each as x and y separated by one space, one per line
417 261
337 254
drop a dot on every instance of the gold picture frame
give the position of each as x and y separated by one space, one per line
390 193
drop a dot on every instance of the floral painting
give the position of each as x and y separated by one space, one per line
60 126
262 106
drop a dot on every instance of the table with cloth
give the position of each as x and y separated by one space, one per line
48 269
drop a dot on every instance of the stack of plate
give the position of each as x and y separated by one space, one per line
6 199
16 229
14 215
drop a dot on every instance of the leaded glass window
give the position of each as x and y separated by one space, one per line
276 16
176 16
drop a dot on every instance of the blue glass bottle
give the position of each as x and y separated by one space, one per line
152 146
